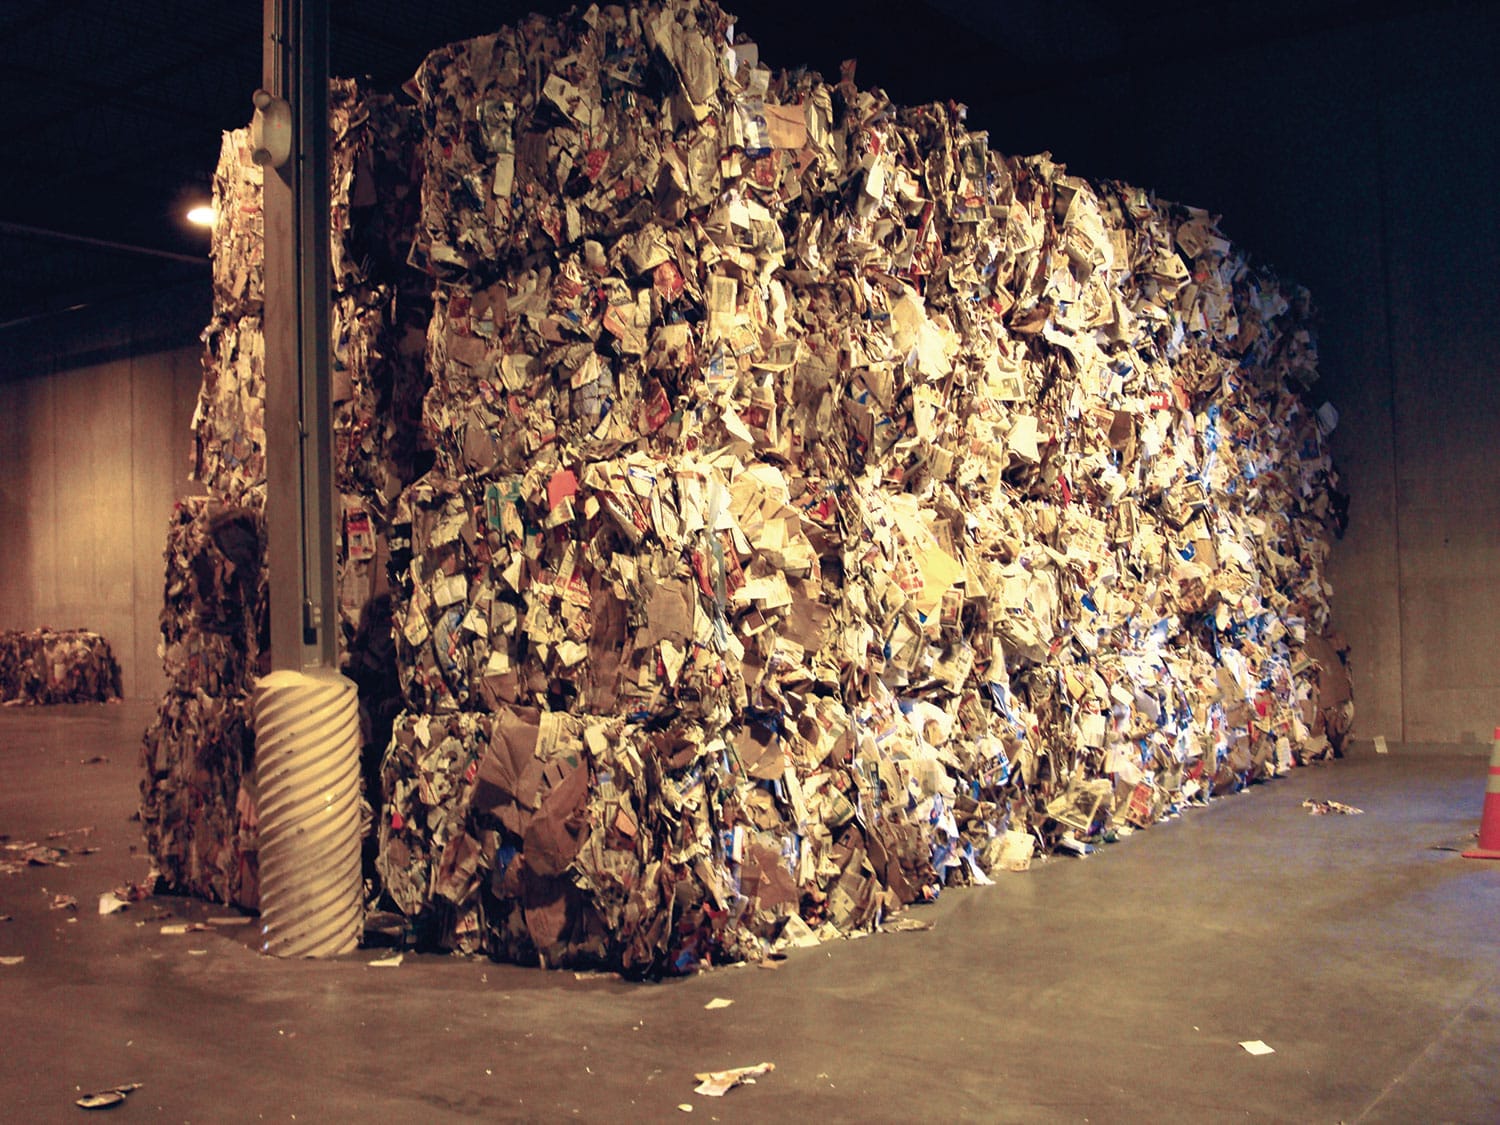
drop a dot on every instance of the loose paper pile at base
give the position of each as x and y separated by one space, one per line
822 508
56 666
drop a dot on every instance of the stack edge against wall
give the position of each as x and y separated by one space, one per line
809 507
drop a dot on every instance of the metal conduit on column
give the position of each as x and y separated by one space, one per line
306 715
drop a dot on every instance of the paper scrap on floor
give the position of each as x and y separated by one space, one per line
103 1099
111 903
1324 808
717 1083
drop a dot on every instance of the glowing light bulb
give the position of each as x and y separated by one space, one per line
202 215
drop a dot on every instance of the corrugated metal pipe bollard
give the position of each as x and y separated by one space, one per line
307 777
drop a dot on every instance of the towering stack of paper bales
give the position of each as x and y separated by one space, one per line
822 507
197 805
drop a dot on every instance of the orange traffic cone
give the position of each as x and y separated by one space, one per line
1489 820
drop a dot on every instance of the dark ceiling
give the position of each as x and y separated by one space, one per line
112 109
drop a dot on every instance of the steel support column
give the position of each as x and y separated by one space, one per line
301 511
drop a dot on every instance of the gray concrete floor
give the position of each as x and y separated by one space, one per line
1115 988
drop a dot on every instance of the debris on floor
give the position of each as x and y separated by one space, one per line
120 898
1325 808
18 857
905 923
717 1083
109 1097
174 929
1256 1047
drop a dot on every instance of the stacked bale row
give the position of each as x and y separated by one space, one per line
825 507
808 506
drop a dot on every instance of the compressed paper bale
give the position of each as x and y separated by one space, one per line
379 310
213 619
238 238
57 666
197 815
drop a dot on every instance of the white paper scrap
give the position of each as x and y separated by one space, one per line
1256 1047
717 1083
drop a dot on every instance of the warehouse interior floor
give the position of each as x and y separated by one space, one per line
1120 987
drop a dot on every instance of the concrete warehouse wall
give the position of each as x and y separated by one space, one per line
1360 161
91 460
